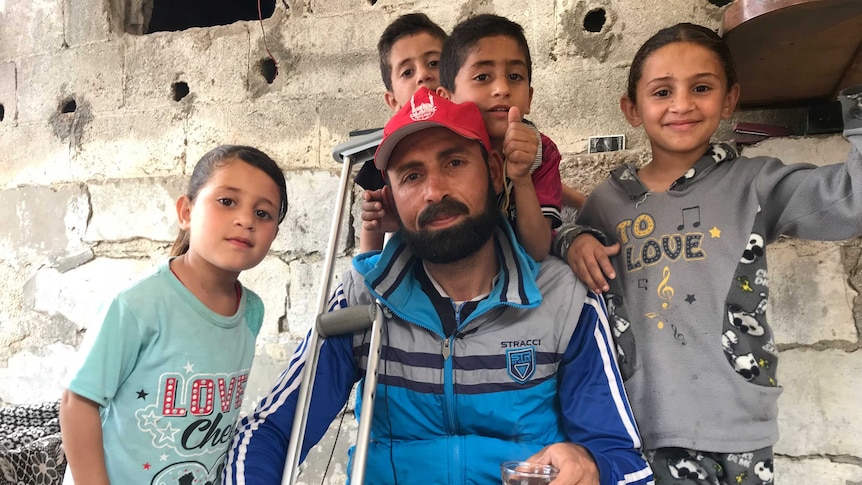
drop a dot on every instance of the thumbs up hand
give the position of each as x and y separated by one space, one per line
520 146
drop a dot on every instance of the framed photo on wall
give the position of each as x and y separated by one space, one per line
607 143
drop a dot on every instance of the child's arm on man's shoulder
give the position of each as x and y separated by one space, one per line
520 146
81 431
532 227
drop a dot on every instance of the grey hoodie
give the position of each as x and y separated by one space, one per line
688 304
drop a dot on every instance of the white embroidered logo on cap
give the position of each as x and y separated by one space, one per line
423 111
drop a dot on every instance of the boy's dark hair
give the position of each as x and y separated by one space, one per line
466 34
683 32
404 26
219 157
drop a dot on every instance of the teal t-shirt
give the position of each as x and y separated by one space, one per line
169 375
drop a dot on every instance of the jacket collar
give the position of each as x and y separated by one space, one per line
390 275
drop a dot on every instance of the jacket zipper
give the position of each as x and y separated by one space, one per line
449 394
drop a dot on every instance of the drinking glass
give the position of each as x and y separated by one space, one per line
526 473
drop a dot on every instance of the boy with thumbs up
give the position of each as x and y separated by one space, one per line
486 60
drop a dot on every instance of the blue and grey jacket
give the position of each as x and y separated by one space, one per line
532 365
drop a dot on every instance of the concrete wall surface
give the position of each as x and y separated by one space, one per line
98 140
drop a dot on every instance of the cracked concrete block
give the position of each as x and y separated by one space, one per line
588 30
343 116
51 364
269 280
40 22
90 75
570 116
810 298
8 95
150 202
44 162
78 294
805 471
304 291
212 63
86 21
41 224
287 130
820 150
12 331
272 56
337 30
334 75
130 144
320 54
311 208
819 408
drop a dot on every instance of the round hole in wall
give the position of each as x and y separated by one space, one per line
68 106
720 3
268 69
594 21
372 2
180 89
2 112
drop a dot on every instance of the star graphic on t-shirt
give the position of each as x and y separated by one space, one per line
163 457
715 233
150 419
168 433
690 299
147 466
142 395
189 367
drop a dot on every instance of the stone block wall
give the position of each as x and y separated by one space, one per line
101 125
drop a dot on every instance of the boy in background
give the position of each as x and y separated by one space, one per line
409 50
486 60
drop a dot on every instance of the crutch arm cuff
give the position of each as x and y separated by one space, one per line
347 320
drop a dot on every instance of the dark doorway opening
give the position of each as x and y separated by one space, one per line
173 15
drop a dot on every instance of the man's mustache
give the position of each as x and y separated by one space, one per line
445 208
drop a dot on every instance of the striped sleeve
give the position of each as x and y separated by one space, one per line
259 448
547 182
596 411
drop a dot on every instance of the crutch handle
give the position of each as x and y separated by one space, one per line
358 149
347 320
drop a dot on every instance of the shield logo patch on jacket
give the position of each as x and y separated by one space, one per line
521 363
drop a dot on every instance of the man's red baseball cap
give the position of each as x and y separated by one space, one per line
428 110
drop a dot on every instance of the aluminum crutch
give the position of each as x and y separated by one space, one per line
357 150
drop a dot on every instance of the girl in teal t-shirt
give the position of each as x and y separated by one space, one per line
160 385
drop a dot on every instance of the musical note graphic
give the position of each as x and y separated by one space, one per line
653 315
664 290
690 213
677 335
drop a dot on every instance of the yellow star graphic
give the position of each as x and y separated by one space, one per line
715 233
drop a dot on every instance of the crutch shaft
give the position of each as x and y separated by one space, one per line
303 402
366 413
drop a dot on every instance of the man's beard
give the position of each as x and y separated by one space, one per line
443 246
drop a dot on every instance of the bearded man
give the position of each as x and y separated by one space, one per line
486 355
